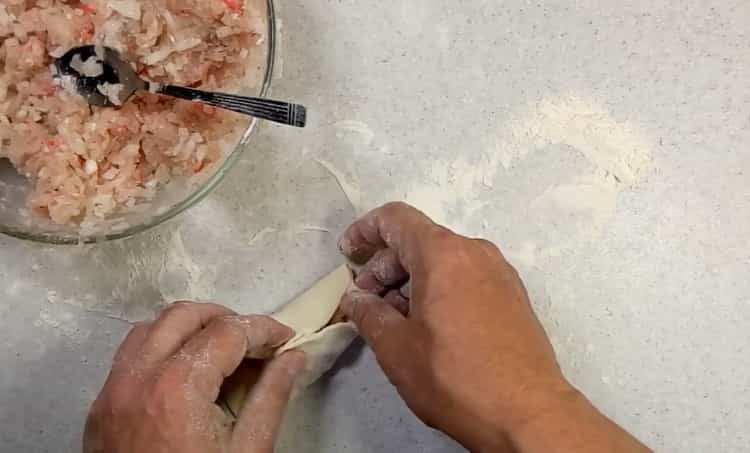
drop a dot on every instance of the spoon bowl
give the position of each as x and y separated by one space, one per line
91 70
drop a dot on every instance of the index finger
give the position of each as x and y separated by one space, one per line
398 226
216 352
175 325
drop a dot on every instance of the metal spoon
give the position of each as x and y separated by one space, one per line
99 75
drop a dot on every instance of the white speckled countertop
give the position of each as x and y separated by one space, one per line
603 145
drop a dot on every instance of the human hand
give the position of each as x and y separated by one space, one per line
463 347
160 395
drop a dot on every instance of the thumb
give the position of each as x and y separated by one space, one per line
260 420
379 322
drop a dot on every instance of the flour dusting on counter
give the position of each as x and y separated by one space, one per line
613 146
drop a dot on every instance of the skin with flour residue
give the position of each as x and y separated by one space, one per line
161 393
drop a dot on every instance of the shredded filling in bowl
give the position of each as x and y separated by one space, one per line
86 163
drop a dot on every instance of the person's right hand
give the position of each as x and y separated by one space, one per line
461 344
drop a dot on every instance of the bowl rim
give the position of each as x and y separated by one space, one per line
197 196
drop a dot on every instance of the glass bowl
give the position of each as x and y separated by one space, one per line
171 200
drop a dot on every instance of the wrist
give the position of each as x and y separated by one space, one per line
569 422
496 424
551 417
536 404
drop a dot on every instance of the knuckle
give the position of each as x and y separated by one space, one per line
359 311
103 405
393 363
486 245
233 333
397 206
225 326
216 307
447 246
294 361
363 312
139 330
181 304
159 397
513 271
385 265
176 309
490 250
136 336
114 400
257 326
444 237
168 385
256 321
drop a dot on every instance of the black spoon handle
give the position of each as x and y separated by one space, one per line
267 109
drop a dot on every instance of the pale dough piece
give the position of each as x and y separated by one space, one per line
309 316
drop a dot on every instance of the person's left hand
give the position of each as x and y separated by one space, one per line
160 395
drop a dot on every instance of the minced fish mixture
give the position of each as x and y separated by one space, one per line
87 163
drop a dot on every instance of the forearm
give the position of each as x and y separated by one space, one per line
573 425
563 421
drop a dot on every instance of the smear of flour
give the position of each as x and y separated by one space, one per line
617 153
358 128
350 189
180 277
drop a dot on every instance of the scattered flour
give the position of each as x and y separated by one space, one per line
613 146
558 164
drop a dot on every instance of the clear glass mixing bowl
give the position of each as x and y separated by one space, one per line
171 200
